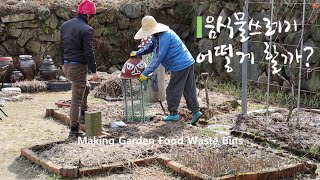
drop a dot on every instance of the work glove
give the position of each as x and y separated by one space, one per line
133 54
143 77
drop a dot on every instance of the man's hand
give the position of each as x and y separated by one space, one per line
95 77
133 54
143 77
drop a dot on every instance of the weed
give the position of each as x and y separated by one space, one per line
314 150
275 98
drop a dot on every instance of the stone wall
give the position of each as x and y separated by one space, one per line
37 33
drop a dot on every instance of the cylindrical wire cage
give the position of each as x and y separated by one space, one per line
135 100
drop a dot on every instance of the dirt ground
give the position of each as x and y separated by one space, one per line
26 126
299 135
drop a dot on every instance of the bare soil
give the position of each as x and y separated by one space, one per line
302 134
26 126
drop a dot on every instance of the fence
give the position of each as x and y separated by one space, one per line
303 71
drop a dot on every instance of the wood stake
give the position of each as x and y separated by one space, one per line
93 124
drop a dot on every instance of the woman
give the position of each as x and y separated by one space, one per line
171 52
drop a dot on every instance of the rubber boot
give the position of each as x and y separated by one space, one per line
196 117
171 118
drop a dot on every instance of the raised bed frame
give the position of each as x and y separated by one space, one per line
262 140
75 171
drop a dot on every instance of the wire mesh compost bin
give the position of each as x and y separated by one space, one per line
134 91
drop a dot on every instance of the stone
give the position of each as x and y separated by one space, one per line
235 75
314 57
12 48
258 16
171 12
107 16
219 128
312 84
204 45
275 87
17 17
60 24
286 86
109 31
219 63
113 69
52 21
43 13
52 49
101 10
25 24
257 48
26 35
64 12
185 33
53 37
11 89
254 70
15 32
233 104
115 40
132 10
34 46
262 80
267 6
199 11
3 35
225 13
278 117
315 31
215 8
224 38
234 7
3 51
293 39
97 32
102 68
124 22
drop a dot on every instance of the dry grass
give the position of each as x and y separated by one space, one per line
88 155
25 127
31 86
227 160
110 88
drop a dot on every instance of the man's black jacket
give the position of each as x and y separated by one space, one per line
76 42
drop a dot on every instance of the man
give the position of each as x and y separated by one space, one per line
172 53
78 56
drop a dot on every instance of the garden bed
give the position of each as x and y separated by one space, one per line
302 139
194 160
